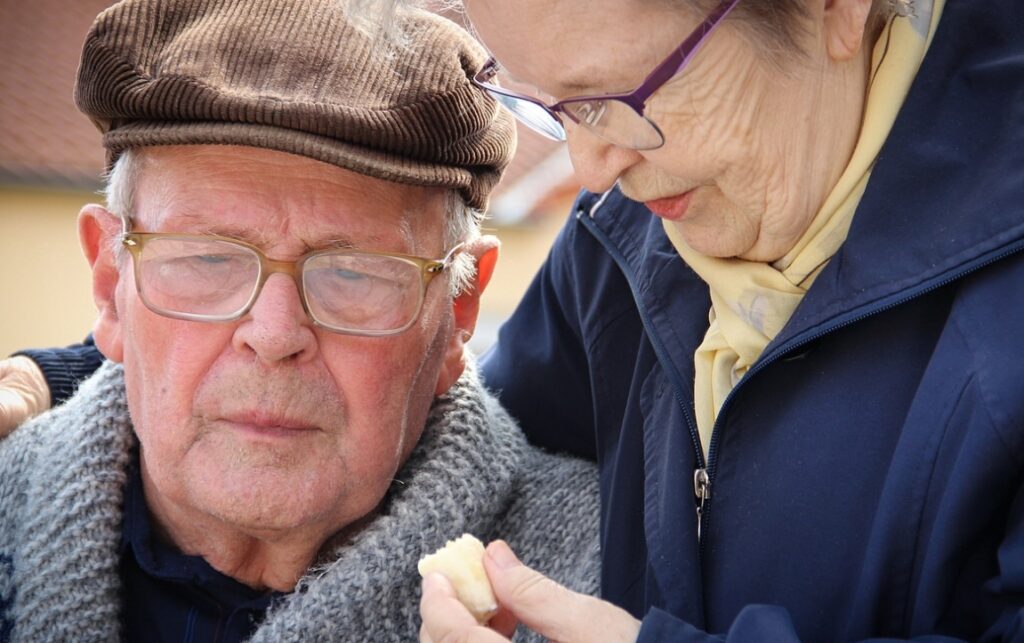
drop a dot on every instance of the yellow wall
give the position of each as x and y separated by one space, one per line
523 249
44 279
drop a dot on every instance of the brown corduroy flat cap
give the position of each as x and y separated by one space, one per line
296 76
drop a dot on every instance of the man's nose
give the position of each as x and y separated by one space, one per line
277 328
598 163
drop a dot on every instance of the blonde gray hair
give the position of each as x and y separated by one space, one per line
778 25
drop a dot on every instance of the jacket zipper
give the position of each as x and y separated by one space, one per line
702 489
701 479
704 474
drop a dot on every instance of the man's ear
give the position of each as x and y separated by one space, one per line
846 22
98 229
466 309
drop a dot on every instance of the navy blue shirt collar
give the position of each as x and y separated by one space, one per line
170 596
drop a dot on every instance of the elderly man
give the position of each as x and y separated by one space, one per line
285 282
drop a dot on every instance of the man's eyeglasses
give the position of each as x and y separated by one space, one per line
617 118
211 278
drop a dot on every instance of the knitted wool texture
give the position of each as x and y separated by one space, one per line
62 480
297 76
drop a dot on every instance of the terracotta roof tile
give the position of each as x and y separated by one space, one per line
43 138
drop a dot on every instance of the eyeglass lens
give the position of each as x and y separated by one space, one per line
364 292
209 278
533 115
615 122
610 119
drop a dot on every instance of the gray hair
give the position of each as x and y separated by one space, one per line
380 20
377 17
779 25
462 223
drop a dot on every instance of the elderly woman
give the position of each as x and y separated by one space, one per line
801 378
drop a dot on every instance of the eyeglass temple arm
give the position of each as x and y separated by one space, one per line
125 226
683 53
441 264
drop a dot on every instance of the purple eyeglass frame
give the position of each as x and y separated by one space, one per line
636 99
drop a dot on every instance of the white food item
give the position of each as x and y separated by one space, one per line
461 562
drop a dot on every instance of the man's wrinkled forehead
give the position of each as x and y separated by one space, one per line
267 198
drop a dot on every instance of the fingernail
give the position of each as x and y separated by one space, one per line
434 582
502 555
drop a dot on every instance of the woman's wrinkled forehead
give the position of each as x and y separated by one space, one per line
598 39
573 47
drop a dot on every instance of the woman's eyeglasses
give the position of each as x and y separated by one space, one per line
616 118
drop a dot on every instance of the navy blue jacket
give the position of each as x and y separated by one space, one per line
866 474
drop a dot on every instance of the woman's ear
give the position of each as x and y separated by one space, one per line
846 22
98 230
466 309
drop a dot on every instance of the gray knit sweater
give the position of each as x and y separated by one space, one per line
62 480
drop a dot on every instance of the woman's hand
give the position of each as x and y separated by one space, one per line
524 595
23 392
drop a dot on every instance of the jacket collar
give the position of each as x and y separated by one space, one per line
946 195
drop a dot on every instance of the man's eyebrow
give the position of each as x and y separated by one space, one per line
241 233
342 243
184 221
260 240
202 225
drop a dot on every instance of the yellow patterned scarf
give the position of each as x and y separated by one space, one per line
752 301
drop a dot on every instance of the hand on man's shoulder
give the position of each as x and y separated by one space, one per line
23 392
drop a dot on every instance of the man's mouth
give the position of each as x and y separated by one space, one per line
269 424
672 208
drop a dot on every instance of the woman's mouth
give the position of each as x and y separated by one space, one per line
672 208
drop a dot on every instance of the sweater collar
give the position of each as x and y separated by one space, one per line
459 479
73 511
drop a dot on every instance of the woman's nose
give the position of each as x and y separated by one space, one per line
598 163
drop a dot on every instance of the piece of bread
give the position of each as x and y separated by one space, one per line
461 562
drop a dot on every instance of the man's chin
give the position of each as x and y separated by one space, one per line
267 491
262 510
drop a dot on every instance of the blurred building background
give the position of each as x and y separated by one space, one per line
51 159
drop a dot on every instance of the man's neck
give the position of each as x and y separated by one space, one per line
267 559
257 563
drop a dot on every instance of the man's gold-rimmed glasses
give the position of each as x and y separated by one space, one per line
216 279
